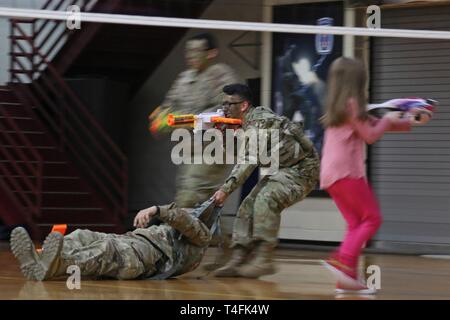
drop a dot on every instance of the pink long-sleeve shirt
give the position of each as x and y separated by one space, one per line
343 150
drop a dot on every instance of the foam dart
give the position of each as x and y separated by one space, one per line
226 120
173 120
61 228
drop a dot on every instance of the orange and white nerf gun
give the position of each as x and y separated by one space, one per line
202 121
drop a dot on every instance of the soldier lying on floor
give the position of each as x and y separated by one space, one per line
174 247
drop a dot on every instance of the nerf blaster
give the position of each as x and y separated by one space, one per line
405 105
202 121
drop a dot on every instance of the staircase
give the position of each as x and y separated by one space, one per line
57 164
21 166
63 194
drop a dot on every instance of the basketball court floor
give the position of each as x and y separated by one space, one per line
300 276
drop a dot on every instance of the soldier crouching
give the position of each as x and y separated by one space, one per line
255 231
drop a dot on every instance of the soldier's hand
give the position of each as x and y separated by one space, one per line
220 197
143 217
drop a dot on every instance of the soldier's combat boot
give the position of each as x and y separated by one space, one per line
223 255
238 257
50 258
261 264
23 249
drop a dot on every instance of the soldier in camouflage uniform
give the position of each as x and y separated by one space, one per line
157 252
197 90
257 223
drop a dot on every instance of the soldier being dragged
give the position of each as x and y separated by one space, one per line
159 251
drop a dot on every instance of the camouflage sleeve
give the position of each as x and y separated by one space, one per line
188 225
170 100
237 177
246 164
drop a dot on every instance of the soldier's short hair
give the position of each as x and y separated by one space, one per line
239 89
208 37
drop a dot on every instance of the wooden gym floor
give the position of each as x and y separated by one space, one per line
300 276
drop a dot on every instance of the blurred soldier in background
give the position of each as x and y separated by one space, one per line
194 91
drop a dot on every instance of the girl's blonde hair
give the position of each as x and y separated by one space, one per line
346 79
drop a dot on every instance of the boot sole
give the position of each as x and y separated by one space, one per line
228 273
23 249
211 267
252 275
50 250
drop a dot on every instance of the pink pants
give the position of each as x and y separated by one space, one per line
359 207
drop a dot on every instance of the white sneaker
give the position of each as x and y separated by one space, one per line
341 276
356 288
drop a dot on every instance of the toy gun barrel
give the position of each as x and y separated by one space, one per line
183 119
226 120
173 120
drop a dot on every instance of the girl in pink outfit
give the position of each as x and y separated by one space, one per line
348 128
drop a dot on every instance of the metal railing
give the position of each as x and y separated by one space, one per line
40 84
22 166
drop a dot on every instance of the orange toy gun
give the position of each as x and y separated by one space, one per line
202 121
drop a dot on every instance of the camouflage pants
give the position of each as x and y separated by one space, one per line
258 217
126 256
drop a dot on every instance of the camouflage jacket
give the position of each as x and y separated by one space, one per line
194 92
182 237
293 147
